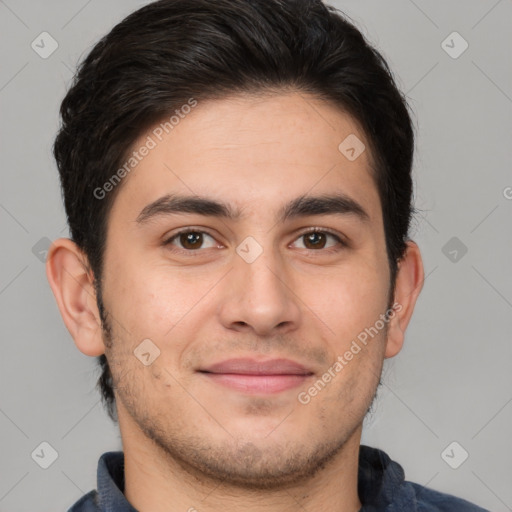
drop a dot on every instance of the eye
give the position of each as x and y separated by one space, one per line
317 239
191 240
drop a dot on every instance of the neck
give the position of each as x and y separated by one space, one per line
156 482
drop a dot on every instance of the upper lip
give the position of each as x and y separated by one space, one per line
249 366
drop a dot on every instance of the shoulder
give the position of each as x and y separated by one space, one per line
382 486
429 500
87 503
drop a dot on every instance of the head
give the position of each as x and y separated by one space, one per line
247 105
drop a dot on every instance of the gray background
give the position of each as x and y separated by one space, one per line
451 382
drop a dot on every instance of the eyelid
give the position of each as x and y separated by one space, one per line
319 229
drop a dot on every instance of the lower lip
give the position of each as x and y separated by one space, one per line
258 384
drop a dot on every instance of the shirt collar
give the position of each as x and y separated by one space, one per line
111 483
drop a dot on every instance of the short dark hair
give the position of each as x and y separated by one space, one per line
169 51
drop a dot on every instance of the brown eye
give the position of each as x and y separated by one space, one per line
315 240
318 239
190 240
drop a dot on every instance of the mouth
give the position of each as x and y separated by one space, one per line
258 377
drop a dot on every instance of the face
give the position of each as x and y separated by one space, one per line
277 278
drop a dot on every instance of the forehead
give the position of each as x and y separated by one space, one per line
252 151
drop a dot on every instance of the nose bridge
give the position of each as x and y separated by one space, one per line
260 269
259 295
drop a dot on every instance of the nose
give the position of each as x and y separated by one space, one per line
259 296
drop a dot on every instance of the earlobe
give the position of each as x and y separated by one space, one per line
409 283
73 288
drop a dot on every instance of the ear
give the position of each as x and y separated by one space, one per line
73 286
409 283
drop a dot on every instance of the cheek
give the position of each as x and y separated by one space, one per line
161 305
352 299
140 301
151 308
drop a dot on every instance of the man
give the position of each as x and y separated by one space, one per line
237 180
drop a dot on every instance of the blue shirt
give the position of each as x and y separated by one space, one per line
381 487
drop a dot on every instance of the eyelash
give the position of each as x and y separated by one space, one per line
196 252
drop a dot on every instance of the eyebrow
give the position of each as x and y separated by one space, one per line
303 206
